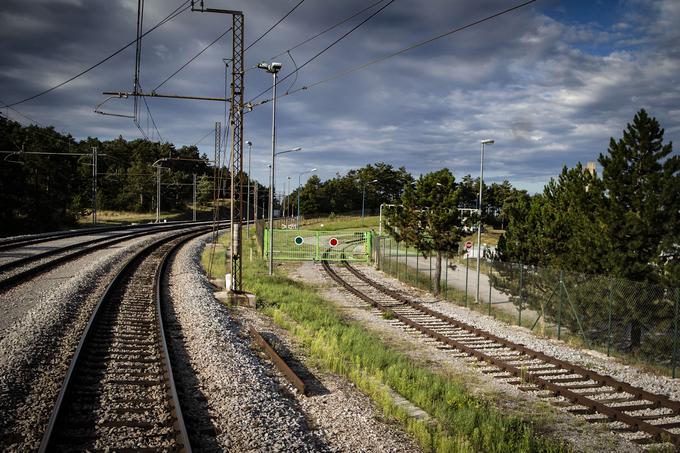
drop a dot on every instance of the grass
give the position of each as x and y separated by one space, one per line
462 422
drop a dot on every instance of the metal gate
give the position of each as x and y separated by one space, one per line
306 245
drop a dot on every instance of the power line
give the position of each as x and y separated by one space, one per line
274 26
332 27
399 52
176 12
191 60
210 132
160 137
327 48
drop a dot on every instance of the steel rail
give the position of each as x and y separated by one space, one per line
20 241
89 246
613 413
135 260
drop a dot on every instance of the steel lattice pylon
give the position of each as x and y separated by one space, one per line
237 86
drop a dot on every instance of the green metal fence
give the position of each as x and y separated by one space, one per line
307 245
636 321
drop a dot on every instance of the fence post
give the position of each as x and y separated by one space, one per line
610 299
429 255
559 309
317 256
467 267
389 257
265 246
446 278
675 330
521 295
397 260
489 280
406 264
417 283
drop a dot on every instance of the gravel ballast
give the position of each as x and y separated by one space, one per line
36 349
246 406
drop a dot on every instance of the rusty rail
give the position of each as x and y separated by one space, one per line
281 364
565 388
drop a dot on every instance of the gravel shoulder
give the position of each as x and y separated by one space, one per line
251 406
552 421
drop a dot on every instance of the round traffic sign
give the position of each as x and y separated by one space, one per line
299 240
468 245
333 242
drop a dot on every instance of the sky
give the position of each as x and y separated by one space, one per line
550 82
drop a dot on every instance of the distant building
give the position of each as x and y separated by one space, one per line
591 168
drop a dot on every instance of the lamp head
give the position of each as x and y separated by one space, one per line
272 68
488 141
249 143
298 148
313 169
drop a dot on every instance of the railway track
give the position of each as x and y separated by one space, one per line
21 241
119 393
24 268
654 417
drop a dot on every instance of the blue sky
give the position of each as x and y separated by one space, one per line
550 82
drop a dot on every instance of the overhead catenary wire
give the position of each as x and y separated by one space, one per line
274 26
176 12
191 60
328 47
332 27
153 121
399 52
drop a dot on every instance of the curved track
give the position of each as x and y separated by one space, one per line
585 391
119 392
24 268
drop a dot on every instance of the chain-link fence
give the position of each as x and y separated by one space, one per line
632 320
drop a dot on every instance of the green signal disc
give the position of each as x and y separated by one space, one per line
299 240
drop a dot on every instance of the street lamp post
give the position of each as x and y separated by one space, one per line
479 224
157 164
363 199
272 68
250 146
287 211
298 195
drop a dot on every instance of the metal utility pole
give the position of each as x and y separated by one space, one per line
250 147
255 191
158 194
94 185
194 218
217 180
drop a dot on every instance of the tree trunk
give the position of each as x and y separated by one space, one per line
438 273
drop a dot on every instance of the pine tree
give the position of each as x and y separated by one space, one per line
637 175
640 212
429 218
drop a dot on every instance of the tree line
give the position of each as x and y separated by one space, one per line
46 177
622 224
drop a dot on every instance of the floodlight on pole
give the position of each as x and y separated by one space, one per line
272 68
479 208
298 195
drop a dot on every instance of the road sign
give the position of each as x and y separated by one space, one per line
468 245
299 240
333 242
